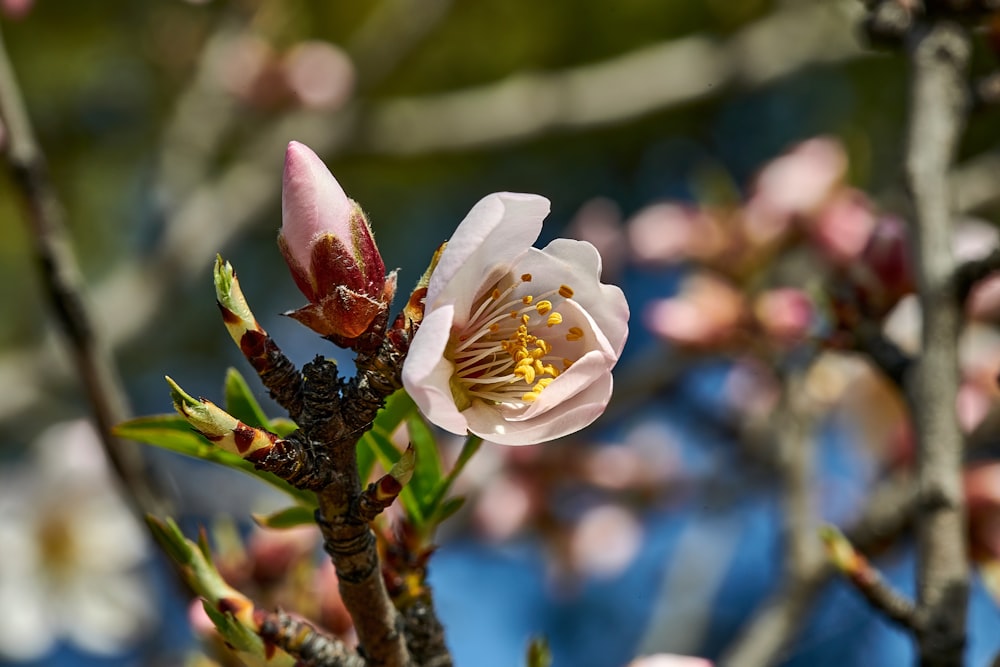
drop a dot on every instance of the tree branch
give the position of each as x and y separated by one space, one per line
939 52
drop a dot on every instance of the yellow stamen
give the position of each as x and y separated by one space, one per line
554 319
529 397
575 333
527 300
526 277
494 328
567 363
496 294
565 291
543 307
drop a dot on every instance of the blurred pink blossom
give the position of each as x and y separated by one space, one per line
785 314
706 312
796 184
503 507
983 303
843 225
670 233
319 74
599 222
605 540
16 9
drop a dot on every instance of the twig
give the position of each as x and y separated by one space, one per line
868 580
939 53
889 511
64 284
302 641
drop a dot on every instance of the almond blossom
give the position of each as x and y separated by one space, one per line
72 553
517 344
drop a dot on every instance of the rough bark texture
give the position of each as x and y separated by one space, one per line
939 53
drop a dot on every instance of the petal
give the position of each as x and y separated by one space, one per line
104 614
578 265
576 413
427 374
312 203
587 370
496 232
26 632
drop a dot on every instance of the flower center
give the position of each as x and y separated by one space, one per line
502 355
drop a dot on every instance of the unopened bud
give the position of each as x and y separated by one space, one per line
329 248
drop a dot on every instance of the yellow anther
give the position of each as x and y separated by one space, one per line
575 333
565 291
526 277
542 384
527 371
526 300
543 307
496 294
494 328
567 363
554 319
514 314
539 367
551 370
525 319
529 397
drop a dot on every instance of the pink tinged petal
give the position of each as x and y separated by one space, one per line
578 264
576 413
669 660
312 203
498 230
844 226
105 614
585 371
427 373
798 182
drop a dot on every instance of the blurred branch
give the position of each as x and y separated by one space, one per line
648 80
939 54
774 626
64 284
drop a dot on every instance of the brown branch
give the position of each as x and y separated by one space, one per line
302 641
939 52
869 581
888 513
60 273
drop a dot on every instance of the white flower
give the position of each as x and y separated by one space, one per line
69 548
517 344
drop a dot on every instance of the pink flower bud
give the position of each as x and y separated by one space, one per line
843 227
329 248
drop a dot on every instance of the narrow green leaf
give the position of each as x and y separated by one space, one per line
174 433
240 402
296 515
366 460
447 508
385 452
170 539
397 408
427 473
283 427
237 635
469 448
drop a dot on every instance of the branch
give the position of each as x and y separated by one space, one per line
302 641
648 80
939 53
64 284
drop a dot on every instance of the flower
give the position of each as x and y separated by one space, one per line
329 248
70 551
517 344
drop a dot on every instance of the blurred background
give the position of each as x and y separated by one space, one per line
657 530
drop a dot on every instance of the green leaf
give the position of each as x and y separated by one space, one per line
397 408
427 473
385 452
174 433
240 402
469 448
447 508
296 515
237 635
283 427
366 460
539 654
